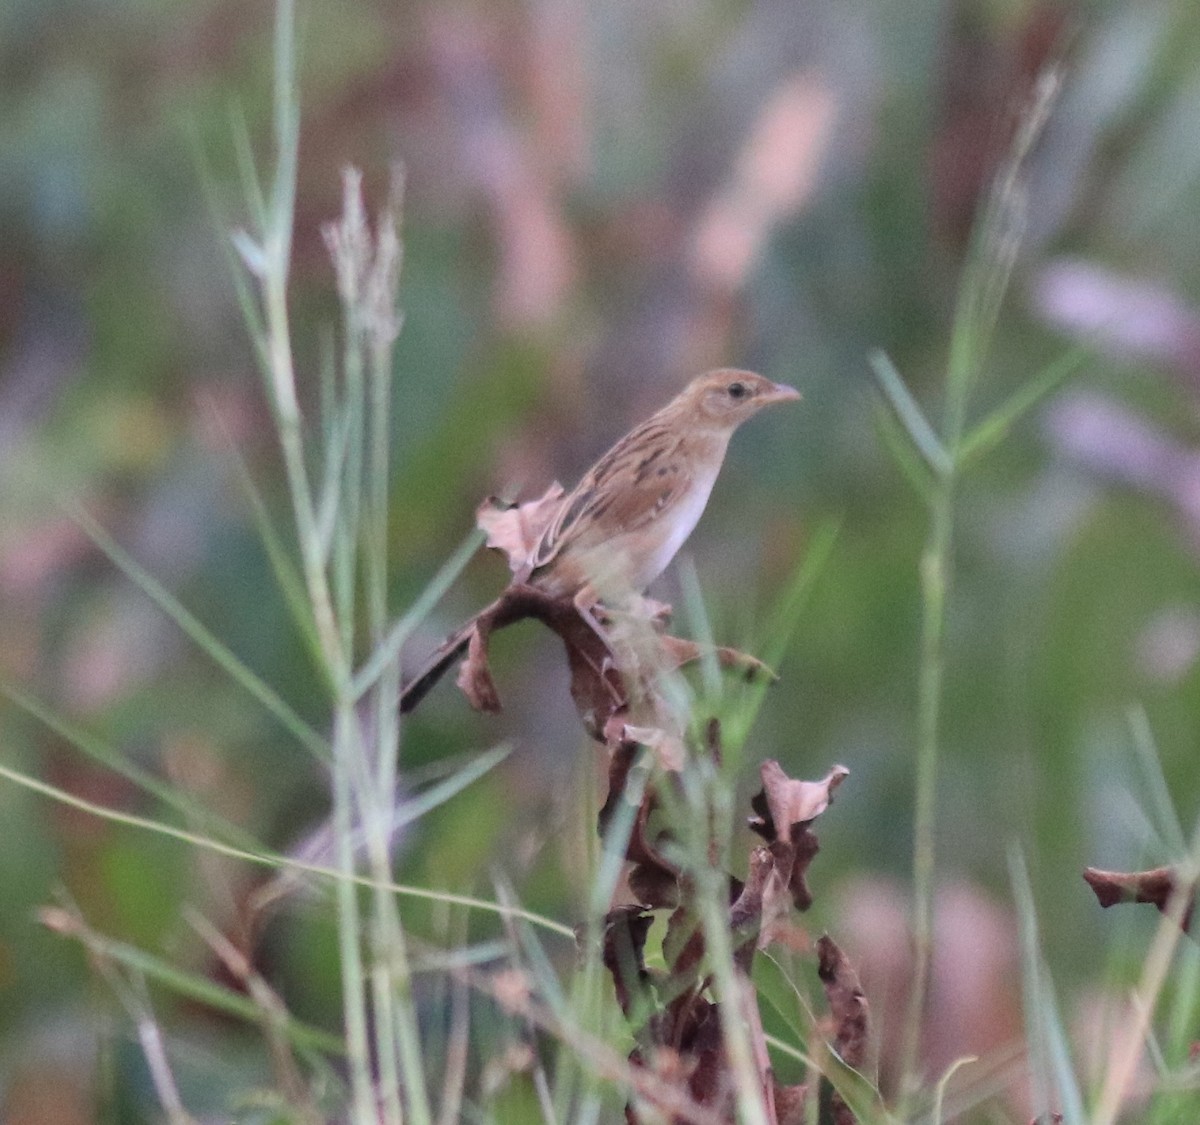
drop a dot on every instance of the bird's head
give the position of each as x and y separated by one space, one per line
725 398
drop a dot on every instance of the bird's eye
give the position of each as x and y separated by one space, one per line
737 390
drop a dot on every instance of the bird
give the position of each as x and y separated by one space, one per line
619 528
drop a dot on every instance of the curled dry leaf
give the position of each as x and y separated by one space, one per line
848 1007
847 1003
515 529
625 931
783 803
604 679
784 809
667 745
596 686
653 879
475 676
680 652
1160 886
679 1037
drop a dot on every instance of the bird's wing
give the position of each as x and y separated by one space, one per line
630 487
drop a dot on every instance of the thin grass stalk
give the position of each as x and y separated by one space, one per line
367 273
589 999
731 996
275 860
991 258
349 922
1122 1068
350 249
709 798
935 573
333 636
454 1072
129 986
277 249
382 329
213 648
386 322
350 246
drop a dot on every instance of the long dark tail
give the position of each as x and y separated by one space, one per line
443 658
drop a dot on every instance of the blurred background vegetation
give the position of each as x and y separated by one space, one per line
601 201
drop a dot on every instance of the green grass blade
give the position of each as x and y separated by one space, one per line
289 580
99 751
924 440
1051 1071
995 240
939 1095
264 858
996 426
788 609
785 618
1164 816
899 445
207 642
191 986
389 648
416 807
251 184
856 1090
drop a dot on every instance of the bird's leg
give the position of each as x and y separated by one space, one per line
585 601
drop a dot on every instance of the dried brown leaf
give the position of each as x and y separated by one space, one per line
848 1007
784 804
625 931
680 652
1160 886
667 745
516 528
847 1003
790 1104
475 676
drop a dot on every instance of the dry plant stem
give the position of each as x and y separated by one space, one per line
1124 1062
274 1016
129 986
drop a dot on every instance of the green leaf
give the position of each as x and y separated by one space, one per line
98 750
189 985
995 427
920 433
1055 1085
389 648
207 642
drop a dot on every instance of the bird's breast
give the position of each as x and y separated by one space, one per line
669 532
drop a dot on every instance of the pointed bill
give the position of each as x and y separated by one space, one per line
781 392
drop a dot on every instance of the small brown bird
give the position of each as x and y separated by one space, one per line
625 520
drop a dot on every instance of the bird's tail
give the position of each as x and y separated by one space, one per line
439 663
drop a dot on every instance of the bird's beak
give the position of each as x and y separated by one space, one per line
781 392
